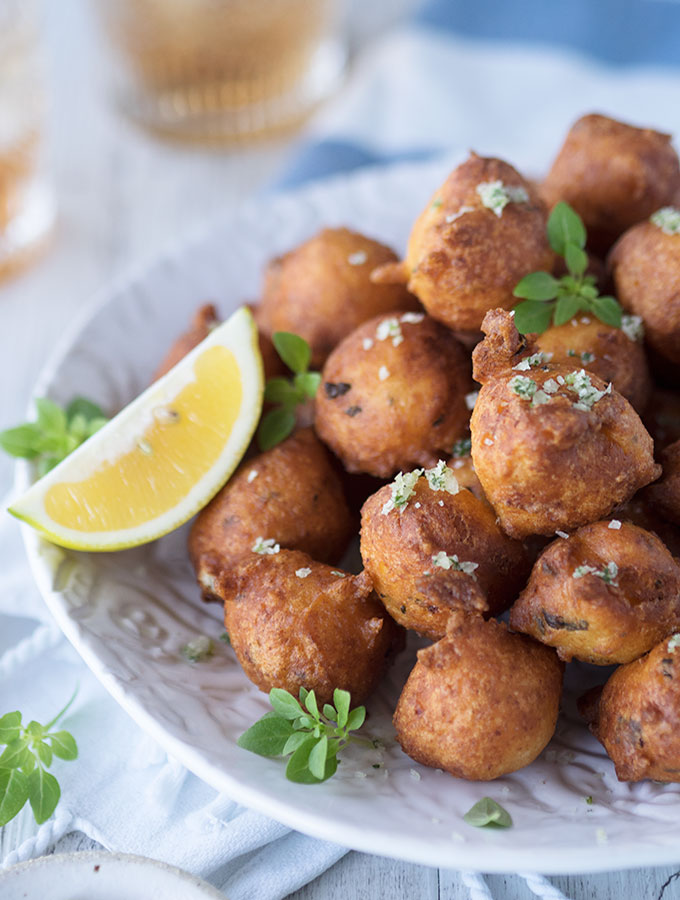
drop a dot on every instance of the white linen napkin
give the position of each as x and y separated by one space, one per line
415 92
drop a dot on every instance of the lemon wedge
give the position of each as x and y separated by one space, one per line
163 457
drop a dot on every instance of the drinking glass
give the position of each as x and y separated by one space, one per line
26 200
223 70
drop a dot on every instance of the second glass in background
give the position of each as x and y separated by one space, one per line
223 70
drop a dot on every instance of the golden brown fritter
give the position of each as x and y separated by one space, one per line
664 495
392 395
294 622
553 446
603 350
614 175
204 320
322 289
606 594
439 551
645 267
290 495
465 257
480 703
638 716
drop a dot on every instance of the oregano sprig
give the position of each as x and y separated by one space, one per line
29 752
55 433
312 738
548 299
287 393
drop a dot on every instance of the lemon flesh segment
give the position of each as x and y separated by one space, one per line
161 458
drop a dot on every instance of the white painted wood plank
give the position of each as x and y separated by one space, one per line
361 877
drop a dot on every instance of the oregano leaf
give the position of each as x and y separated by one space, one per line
43 794
275 427
10 727
293 350
607 310
565 226
537 286
267 737
576 259
566 308
486 812
533 317
13 794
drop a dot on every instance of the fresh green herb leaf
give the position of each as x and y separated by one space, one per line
43 794
21 441
576 259
86 409
284 704
537 286
560 299
268 736
298 765
565 227
28 752
63 745
51 418
341 699
15 753
296 740
280 390
317 758
565 309
13 794
43 752
311 739
275 427
293 350
486 812
224 637
311 704
10 727
356 718
308 383
532 316
607 310
54 434
286 394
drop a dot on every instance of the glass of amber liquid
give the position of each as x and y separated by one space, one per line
26 201
223 70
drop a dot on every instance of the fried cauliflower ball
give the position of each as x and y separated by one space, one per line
645 268
294 622
290 495
431 547
637 718
464 469
480 233
204 320
606 594
322 290
392 395
553 446
480 703
610 353
614 175
664 495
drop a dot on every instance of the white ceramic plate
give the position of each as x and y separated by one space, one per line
129 613
102 876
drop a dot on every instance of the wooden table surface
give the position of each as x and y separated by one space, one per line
122 196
